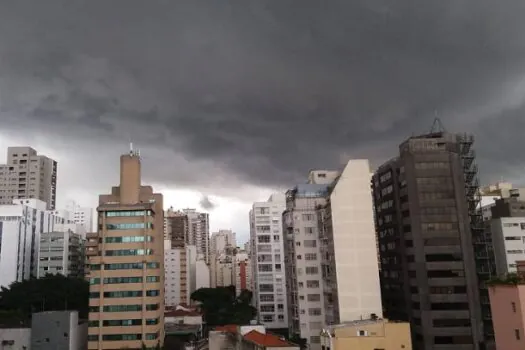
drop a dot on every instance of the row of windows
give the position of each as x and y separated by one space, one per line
117 280
128 252
129 226
125 266
125 294
129 239
129 213
119 337
124 323
124 308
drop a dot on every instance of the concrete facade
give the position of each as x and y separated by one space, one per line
126 258
268 256
28 175
427 215
61 253
507 303
21 227
367 335
58 330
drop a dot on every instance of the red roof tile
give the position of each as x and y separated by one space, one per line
267 340
230 328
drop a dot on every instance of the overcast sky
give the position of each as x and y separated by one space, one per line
229 100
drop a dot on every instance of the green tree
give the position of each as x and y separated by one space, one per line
49 293
221 306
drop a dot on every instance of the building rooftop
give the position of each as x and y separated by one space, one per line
267 340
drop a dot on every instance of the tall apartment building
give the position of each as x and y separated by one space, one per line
82 216
332 266
175 225
267 254
348 247
198 232
126 263
22 224
28 175
61 252
177 273
305 288
428 221
242 272
218 243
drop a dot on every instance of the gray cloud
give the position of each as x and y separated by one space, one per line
265 90
206 203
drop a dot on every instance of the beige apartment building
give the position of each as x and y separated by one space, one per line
28 175
126 271
373 334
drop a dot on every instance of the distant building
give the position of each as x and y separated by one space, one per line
267 254
61 253
22 225
82 216
367 335
28 175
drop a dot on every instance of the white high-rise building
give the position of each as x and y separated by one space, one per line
22 225
267 254
82 216
28 175
332 268
222 239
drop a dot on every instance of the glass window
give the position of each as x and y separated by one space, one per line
122 308
129 239
129 226
128 252
128 213
116 280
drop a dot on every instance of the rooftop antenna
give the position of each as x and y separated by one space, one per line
437 126
131 148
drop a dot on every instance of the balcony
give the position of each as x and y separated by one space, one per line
91 235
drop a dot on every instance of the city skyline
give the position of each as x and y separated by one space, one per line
346 82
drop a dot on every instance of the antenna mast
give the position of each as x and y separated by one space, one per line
437 126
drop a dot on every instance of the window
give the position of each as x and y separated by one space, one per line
119 337
312 270
122 323
309 230
515 251
312 284
268 308
266 298
152 279
513 305
265 287
128 239
314 311
513 238
315 339
123 294
264 239
122 308
129 226
117 280
310 256
128 213
128 252
313 297
517 333
310 243
308 217
361 333
265 267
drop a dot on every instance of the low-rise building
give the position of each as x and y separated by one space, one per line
371 334
249 337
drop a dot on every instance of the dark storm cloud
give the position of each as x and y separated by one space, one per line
206 203
268 89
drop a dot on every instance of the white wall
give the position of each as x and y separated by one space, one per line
172 274
202 271
21 338
355 244
269 214
508 239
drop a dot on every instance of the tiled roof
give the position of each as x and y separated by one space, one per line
230 328
267 340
